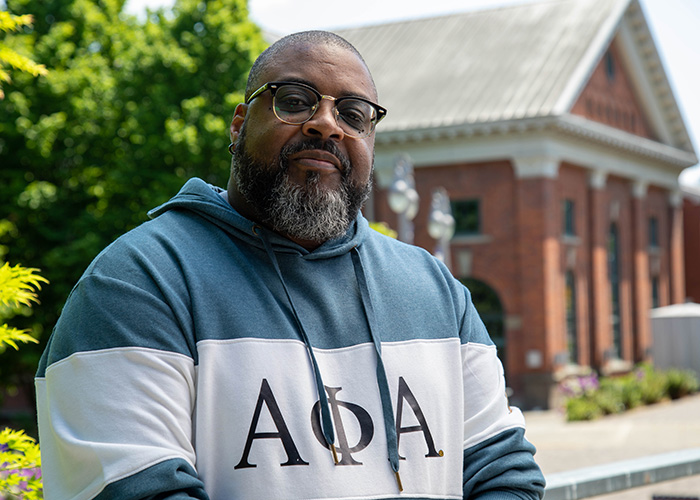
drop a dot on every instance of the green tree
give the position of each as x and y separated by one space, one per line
10 58
130 109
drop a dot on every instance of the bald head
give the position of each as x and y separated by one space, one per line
271 54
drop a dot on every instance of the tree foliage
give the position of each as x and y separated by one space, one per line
20 466
10 58
18 286
129 110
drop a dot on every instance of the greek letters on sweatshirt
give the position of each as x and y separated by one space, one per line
202 356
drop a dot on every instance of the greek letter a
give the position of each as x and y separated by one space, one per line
405 394
266 397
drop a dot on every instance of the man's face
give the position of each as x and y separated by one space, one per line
306 181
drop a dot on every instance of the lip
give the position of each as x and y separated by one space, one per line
317 159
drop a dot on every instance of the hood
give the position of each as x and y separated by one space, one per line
210 202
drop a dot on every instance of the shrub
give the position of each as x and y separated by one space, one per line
681 383
631 394
582 408
609 396
20 459
609 402
653 386
589 397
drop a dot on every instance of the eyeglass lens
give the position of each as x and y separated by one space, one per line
296 104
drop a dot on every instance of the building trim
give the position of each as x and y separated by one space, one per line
570 138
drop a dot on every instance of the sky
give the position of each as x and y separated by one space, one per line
675 26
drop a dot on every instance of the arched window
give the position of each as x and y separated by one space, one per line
489 307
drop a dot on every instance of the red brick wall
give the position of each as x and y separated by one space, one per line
641 281
612 102
691 235
538 244
494 257
523 256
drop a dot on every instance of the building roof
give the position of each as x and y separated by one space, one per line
510 66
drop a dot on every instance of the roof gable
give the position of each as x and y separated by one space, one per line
644 66
610 98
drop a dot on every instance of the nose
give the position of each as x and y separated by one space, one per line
323 124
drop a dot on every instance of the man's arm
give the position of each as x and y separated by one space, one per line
498 461
115 394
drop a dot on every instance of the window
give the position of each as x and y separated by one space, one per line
614 276
490 309
653 232
467 217
655 292
570 301
568 218
610 67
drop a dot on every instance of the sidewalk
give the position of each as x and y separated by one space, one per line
651 430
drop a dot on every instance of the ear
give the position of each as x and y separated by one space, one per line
237 121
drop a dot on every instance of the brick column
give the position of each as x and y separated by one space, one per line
601 331
541 283
641 289
676 268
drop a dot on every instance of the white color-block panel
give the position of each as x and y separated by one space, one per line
427 374
115 412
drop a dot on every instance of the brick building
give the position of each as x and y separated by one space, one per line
691 238
555 132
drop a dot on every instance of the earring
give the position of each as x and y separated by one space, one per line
231 148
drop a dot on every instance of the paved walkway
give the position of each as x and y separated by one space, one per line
661 428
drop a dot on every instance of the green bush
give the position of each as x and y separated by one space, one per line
653 386
631 394
609 395
582 408
681 383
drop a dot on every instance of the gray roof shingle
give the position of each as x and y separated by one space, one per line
514 62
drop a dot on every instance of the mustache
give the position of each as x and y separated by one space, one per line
314 143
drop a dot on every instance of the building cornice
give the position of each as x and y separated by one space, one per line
568 124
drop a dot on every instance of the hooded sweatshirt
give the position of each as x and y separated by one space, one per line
203 356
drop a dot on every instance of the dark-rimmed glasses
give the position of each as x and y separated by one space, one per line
295 103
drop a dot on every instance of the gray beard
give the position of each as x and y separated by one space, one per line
309 212
305 212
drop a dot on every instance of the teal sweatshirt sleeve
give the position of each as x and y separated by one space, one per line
502 468
169 480
498 461
115 395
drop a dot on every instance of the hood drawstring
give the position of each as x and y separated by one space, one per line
384 394
326 422
382 383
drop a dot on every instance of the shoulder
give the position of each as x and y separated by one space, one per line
384 252
154 243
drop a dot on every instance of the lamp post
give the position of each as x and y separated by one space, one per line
403 198
441 224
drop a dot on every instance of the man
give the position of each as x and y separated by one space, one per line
264 343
